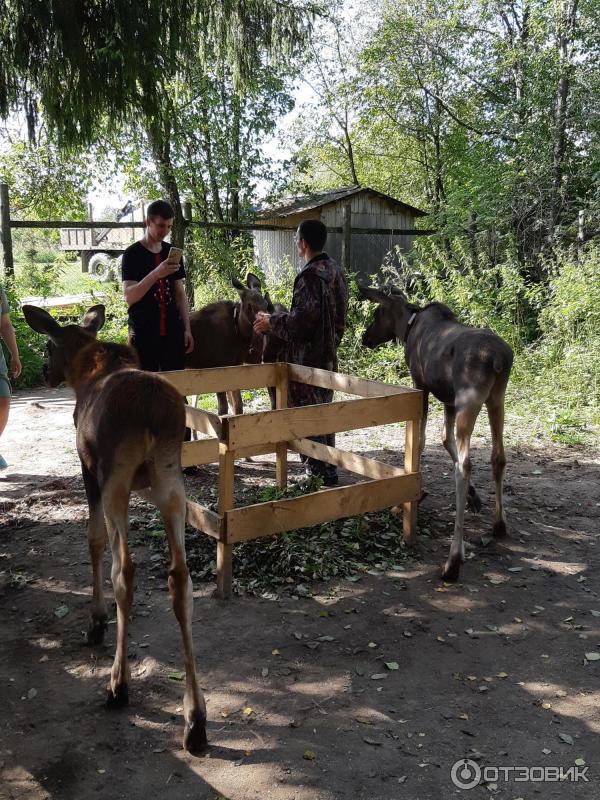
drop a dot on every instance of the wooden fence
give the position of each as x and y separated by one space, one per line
286 429
7 224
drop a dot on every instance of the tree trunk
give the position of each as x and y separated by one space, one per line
159 136
568 24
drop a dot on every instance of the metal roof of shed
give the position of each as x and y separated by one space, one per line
322 198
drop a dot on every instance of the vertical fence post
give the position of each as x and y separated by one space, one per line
412 455
5 232
281 395
347 235
224 549
186 210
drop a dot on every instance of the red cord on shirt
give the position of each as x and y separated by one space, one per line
162 301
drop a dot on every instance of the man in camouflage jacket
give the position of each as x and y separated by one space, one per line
314 326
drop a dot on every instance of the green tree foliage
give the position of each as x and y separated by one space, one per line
484 113
82 61
45 183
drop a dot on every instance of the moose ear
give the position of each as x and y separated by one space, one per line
41 321
238 285
375 295
94 318
253 281
270 306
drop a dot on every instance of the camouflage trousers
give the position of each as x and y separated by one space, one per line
302 394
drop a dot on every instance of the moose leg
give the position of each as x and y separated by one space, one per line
235 401
171 503
97 543
222 409
496 416
465 422
449 442
116 501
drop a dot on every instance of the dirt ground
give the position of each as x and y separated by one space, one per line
301 704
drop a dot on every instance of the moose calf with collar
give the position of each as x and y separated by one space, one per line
463 368
129 429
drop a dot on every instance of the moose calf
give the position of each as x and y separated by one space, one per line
129 429
464 368
224 337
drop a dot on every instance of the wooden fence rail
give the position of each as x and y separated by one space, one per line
7 224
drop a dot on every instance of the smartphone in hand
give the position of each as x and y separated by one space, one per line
175 254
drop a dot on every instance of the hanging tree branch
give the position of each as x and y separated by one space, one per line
79 60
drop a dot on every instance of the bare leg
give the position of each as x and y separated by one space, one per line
4 410
97 543
171 501
116 500
496 415
465 422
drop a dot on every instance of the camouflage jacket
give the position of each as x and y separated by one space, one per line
315 324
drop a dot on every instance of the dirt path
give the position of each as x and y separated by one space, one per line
492 669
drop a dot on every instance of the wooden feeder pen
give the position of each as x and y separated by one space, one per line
259 433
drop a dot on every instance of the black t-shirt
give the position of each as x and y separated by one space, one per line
156 314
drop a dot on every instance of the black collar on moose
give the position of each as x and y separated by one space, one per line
411 320
409 325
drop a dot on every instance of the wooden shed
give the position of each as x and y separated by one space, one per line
389 222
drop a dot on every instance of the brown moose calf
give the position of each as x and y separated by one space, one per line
130 426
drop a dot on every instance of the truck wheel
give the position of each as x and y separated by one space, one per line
101 267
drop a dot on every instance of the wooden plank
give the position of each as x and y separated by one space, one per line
255 450
347 235
204 519
224 546
412 456
296 423
369 467
222 379
281 401
203 451
202 421
343 383
264 519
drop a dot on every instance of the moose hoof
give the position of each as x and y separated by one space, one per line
499 529
194 736
451 571
473 501
95 634
117 698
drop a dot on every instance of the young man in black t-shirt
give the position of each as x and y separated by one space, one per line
153 285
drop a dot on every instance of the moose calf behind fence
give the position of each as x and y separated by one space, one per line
130 426
224 336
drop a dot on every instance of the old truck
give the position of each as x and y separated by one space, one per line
101 249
